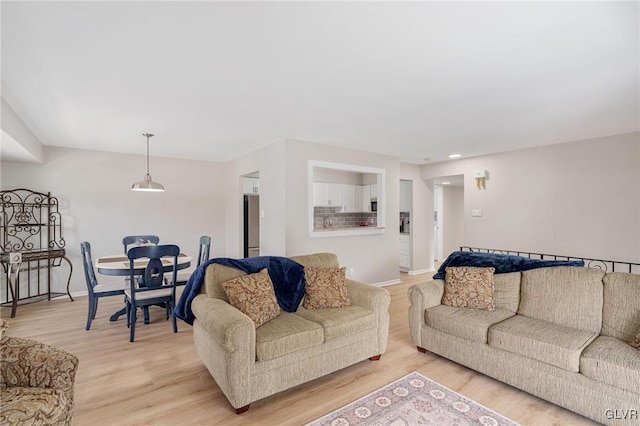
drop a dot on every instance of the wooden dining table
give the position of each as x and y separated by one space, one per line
119 265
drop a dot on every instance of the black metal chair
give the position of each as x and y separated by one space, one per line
97 290
152 289
139 240
203 255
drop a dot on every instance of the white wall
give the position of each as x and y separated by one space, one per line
578 198
452 219
97 205
421 219
373 257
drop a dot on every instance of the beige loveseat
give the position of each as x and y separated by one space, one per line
559 333
250 363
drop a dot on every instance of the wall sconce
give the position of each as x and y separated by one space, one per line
481 176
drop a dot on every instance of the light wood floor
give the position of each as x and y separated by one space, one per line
159 379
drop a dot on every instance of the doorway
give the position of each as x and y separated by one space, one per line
448 215
250 215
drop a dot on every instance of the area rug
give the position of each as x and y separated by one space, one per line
413 400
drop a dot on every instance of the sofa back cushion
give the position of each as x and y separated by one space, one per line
215 275
621 310
506 291
318 260
564 295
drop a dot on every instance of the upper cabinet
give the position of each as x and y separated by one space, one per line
251 185
327 194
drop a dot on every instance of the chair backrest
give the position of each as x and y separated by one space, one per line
153 277
204 250
138 240
87 263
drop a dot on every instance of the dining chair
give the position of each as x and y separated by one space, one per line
155 290
138 240
203 255
95 290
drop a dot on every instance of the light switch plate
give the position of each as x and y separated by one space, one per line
476 213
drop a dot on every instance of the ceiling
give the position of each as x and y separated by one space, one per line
415 80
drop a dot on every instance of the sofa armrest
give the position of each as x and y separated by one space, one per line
377 300
227 325
27 363
422 297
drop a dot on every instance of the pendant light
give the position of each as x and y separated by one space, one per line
147 184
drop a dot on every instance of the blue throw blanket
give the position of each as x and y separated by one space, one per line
502 262
287 277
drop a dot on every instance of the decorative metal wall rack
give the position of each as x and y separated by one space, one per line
31 243
605 265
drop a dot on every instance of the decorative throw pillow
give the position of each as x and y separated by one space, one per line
253 295
469 287
325 288
636 342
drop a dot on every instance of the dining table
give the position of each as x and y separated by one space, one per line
119 265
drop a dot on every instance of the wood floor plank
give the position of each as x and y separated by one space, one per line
159 379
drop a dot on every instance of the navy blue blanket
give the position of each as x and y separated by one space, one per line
502 262
287 277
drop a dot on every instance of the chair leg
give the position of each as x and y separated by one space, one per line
145 310
90 314
95 306
132 322
173 318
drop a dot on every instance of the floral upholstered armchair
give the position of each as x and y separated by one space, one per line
36 382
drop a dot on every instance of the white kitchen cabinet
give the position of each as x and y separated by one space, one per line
334 194
359 202
366 198
349 198
251 185
327 194
320 194
404 251
374 191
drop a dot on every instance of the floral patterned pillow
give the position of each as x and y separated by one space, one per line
254 296
325 288
636 342
469 287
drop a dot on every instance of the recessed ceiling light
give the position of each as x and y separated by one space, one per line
455 155
446 183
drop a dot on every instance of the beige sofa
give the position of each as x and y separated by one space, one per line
558 333
250 363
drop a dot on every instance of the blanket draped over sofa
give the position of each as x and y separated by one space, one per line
287 277
504 263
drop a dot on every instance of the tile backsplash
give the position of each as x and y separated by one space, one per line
332 218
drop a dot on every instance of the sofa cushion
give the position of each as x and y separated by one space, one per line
340 322
621 310
325 288
254 295
541 340
612 361
506 291
469 287
286 334
564 295
471 324
215 275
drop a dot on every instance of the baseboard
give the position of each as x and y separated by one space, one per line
386 283
421 271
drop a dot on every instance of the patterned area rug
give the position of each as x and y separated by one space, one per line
413 400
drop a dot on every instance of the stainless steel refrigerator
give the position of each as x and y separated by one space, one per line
251 225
